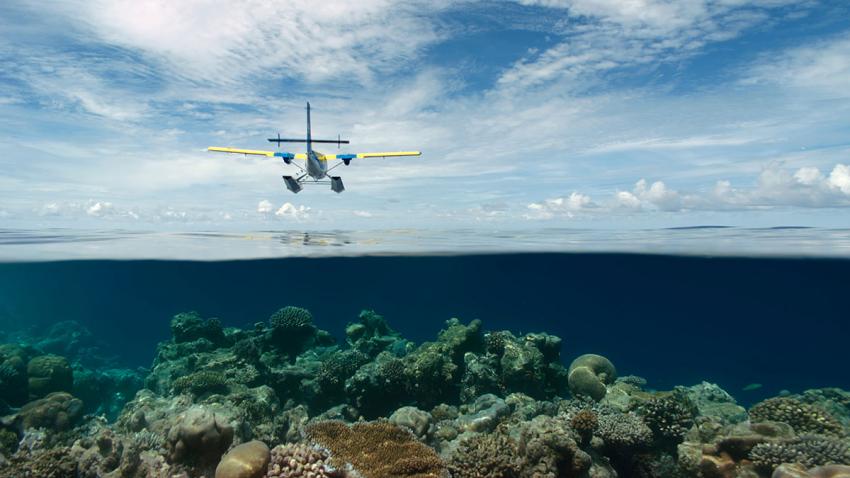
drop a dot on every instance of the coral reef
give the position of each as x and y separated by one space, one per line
470 404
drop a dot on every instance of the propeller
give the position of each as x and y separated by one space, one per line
278 141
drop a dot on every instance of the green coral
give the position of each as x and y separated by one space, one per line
8 441
803 417
199 383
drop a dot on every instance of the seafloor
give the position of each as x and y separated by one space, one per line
284 399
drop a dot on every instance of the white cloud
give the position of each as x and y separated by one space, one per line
560 206
618 33
775 187
362 213
264 207
840 178
823 66
99 209
215 42
291 211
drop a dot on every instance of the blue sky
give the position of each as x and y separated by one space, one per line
530 113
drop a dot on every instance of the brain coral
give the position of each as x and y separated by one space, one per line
377 449
248 460
803 417
57 411
588 375
49 373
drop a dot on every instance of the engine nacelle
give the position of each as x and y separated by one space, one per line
346 158
287 157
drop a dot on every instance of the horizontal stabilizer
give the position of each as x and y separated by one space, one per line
291 140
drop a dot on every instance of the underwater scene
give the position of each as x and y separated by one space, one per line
571 364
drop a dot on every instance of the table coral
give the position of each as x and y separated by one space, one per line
377 449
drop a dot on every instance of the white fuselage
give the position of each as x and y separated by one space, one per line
316 167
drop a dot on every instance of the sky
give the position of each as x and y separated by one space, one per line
529 113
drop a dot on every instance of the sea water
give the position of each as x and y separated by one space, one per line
757 312
676 306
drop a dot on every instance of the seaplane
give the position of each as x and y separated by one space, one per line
315 169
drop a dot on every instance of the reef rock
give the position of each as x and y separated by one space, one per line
58 411
416 420
198 436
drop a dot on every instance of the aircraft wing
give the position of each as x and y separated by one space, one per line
257 152
387 154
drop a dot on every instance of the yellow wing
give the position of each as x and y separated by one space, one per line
371 155
257 152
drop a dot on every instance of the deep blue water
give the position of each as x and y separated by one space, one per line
782 322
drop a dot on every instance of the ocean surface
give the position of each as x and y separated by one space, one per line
676 306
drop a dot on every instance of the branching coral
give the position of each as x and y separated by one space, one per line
585 422
803 417
290 329
807 450
291 319
486 456
377 449
623 431
669 417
